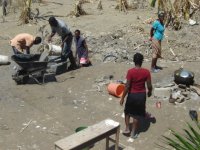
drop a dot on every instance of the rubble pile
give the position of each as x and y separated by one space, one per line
181 93
178 93
120 45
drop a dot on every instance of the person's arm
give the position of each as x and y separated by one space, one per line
76 56
50 37
151 33
27 50
53 32
149 85
63 42
127 87
153 28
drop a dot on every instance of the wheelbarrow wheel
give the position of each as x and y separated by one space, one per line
22 80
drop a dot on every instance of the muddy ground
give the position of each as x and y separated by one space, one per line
56 109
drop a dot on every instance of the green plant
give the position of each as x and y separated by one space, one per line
190 140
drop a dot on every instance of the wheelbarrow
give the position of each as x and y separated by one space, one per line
29 66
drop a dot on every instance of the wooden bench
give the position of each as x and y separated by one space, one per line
128 148
91 135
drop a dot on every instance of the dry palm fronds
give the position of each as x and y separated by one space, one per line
122 5
25 11
78 9
171 15
99 6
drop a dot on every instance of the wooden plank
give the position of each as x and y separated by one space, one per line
128 148
89 135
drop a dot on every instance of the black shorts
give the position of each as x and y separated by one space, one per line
135 104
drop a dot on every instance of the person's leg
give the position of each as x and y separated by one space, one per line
158 55
127 121
69 53
72 61
155 55
153 63
134 133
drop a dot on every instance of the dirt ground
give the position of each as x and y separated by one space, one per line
56 109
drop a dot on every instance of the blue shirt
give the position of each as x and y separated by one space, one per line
158 30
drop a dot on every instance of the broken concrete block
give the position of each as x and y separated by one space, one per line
162 92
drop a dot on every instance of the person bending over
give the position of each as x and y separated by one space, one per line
59 27
22 43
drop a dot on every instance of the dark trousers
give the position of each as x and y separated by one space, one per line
66 50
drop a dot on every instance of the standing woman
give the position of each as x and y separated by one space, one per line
156 36
136 90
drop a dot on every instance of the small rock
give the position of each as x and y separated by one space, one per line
4 127
186 93
175 95
194 96
37 127
171 100
75 102
180 99
110 99
187 98
130 140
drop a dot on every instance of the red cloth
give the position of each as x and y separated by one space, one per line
138 77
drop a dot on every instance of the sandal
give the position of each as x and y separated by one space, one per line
126 132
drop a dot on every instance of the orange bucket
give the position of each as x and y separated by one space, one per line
116 89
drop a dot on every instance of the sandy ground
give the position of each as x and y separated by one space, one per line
56 109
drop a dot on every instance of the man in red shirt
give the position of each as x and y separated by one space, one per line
136 90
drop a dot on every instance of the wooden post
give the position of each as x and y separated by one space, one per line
107 143
117 139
